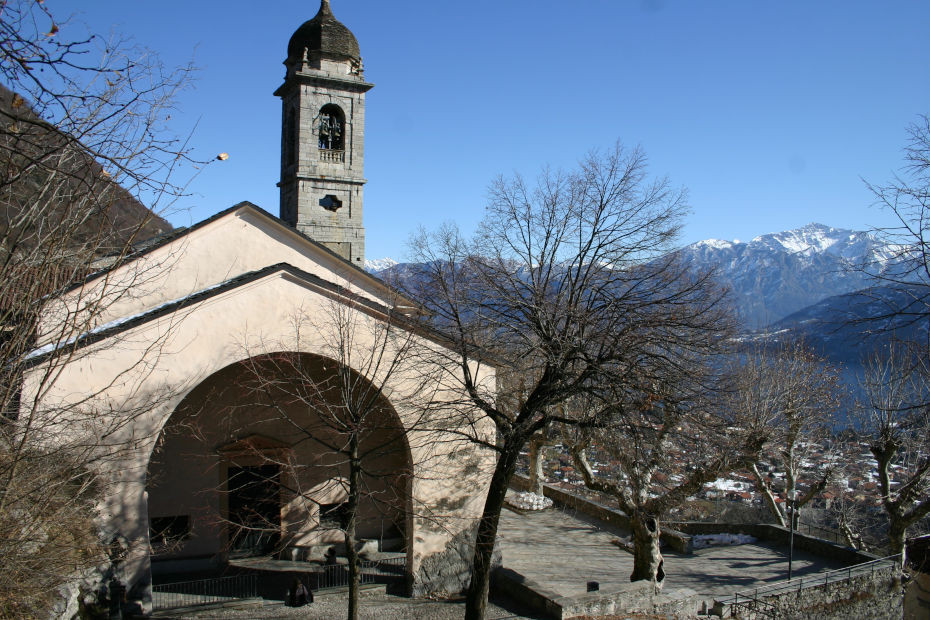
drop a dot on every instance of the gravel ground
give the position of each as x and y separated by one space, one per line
373 606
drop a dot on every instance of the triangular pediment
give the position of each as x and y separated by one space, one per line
241 240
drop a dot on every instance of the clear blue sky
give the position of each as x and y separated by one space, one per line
770 113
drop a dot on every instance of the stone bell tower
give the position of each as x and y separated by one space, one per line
323 135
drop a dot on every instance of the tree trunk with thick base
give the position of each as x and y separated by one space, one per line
897 539
476 601
536 470
647 558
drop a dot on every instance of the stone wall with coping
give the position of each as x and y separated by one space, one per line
780 536
636 597
678 541
877 595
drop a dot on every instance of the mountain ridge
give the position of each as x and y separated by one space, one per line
772 276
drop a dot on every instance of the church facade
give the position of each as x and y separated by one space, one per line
205 380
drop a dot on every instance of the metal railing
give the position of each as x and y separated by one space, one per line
337 575
752 600
204 591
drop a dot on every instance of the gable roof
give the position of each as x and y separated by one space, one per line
161 241
124 324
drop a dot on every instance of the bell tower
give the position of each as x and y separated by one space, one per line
323 135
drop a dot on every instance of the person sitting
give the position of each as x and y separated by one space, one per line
299 595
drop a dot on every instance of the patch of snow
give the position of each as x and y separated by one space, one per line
717 244
724 484
702 541
525 500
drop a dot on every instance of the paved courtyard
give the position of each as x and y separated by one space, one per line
562 551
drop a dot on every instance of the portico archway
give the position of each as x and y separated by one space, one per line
253 461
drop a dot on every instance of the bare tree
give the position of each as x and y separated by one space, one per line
787 387
567 285
82 141
677 426
901 301
895 418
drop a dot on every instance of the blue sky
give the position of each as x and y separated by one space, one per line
770 113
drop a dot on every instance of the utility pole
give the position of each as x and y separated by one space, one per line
792 506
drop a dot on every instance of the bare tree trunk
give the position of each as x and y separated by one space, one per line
536 469
897 538
476 601
852 538
647 558
355 469
768 496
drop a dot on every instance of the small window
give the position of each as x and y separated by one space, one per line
332 128
334 516
330 203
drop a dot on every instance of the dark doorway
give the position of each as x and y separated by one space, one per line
254 509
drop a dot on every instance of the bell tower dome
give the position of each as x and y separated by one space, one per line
323 135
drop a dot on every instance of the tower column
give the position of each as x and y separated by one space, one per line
323 136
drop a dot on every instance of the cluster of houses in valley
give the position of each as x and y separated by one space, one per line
855 475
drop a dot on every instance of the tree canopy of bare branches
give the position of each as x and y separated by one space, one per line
82 141
907 198
567 288
895 420
796 394
662 442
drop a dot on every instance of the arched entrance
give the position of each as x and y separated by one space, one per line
255 460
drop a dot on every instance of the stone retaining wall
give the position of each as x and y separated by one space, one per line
636 597
780 536
678 541
872 596
449 571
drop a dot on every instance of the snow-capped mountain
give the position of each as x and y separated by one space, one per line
377 265
780 273
770 277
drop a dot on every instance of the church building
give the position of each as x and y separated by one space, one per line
208 378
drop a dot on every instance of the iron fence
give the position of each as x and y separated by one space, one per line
753 600
337 575
228 589
204 591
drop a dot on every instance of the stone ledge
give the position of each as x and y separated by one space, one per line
638 596
679 541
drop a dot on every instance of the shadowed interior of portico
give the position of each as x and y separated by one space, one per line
252 464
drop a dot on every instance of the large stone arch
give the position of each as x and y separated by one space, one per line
251 414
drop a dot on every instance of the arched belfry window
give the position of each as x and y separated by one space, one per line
332 128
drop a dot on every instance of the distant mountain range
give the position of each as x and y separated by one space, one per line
812 281
772 276
847 328
777 274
